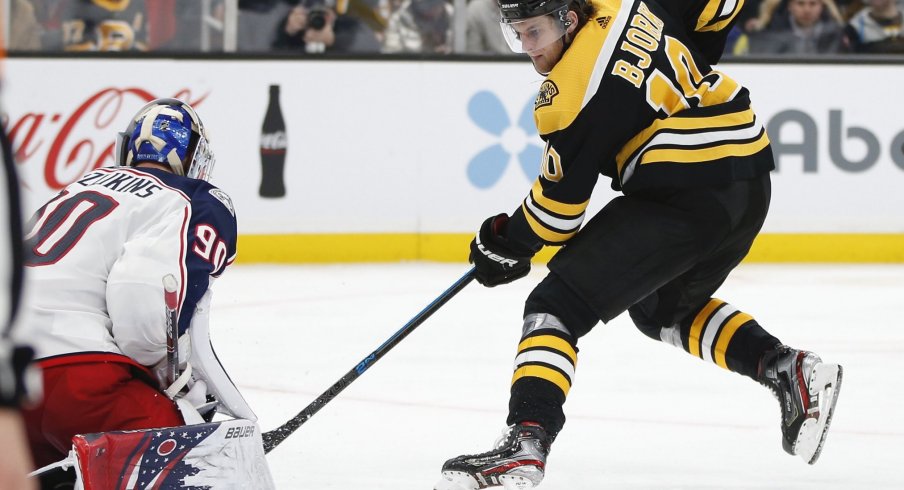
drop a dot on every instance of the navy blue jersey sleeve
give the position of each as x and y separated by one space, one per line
212 234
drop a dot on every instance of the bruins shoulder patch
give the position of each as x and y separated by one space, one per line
548 91
224 198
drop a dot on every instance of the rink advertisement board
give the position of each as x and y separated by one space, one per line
403 160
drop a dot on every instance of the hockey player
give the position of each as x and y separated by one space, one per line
630 94
96 255
104 25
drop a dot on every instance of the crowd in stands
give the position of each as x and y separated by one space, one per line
310 27
819 27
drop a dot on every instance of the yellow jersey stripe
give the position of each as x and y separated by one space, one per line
543 372
727 333
712 11
693 339
552 342
547 235
573 210
113 5
682 124
684 155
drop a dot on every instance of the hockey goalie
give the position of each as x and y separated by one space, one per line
120 267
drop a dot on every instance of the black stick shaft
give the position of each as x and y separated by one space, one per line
276 436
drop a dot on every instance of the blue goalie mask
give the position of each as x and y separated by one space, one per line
169 132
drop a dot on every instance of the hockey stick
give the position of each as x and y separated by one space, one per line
276 436
172 328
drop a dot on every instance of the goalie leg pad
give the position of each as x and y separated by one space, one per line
226 454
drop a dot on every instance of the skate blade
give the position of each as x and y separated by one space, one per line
826 383
512 482
456 480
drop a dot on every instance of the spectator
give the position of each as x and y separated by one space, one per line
258 20
420 26
876 28
24 29
314 26
102 25
175 26
372 13
768 9
484 35
804 29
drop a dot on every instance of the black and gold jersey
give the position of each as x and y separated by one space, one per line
707 23
634 100
104 25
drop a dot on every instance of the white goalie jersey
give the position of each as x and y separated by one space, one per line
96 255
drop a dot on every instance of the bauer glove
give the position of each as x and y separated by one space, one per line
495 259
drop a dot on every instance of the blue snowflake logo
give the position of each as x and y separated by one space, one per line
486 167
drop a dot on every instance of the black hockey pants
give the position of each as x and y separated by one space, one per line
659 254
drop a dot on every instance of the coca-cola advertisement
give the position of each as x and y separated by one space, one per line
273 148
421 147
54 148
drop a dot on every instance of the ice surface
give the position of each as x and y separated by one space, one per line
641 414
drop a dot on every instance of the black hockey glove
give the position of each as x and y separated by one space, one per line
495 260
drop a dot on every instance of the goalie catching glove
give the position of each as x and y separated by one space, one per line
496 260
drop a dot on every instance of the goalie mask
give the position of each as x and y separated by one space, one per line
169 132
530 25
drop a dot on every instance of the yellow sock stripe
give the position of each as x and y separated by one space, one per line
552 342
543 372
693 340
727 333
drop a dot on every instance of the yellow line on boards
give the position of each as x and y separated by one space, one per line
453 247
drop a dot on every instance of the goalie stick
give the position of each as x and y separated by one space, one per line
276 436
171 299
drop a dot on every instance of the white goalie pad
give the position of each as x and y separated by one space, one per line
227 454
207 367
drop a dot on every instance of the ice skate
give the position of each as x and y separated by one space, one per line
517 462
807 390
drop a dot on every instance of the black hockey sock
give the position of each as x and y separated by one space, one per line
544 369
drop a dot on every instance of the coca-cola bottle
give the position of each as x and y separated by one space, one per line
273 149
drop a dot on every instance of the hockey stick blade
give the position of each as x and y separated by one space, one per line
276 436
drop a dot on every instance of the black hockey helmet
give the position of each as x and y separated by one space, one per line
515 10
524 27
